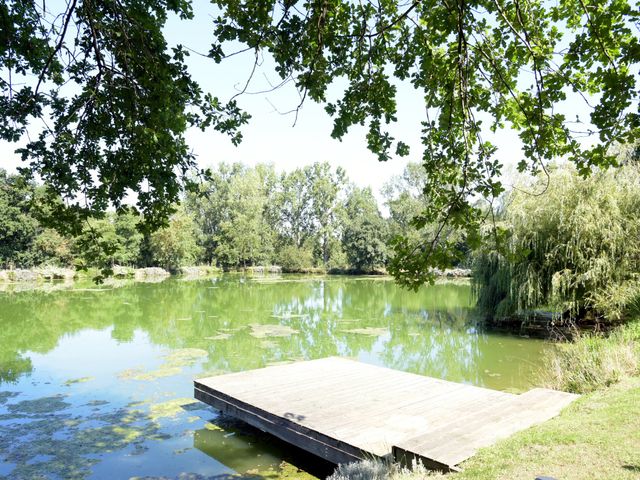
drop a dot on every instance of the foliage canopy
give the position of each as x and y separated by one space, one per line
502 63
117 102
114 99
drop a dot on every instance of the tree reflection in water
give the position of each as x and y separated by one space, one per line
108 370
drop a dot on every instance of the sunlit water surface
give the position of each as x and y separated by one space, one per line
96 381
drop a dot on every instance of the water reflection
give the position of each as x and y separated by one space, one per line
96 382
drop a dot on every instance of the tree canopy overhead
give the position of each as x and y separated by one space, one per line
114 100
507 63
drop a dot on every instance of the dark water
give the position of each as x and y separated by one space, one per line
96 382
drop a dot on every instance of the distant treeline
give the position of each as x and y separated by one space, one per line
312 218
557 242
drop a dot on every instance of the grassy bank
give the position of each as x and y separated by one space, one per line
597 437
593 362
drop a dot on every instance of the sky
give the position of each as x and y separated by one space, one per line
270 136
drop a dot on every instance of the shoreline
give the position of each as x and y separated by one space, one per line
50 279
50 273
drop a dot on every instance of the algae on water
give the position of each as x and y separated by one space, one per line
173 364
45 405
5 396
271 330
139 374
219 336
170 408
73 381
183 357
56 443
371 331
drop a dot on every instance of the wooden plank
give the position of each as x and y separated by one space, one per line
424 406
276 421
343 410
281 430
395 425
278 376
456 441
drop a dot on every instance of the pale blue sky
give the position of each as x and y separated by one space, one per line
270 136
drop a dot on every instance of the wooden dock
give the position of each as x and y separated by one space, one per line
343 410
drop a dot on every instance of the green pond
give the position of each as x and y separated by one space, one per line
96 381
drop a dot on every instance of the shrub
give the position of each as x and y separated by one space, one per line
295 259
592 361
378 470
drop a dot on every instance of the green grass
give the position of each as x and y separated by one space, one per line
592 362
597 437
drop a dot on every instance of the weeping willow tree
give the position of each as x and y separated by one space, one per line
574 250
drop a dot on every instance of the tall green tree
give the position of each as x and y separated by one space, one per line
129 237
97 244
231 211
364 234
175 245
246 238
111 240
326 188
405 200
18 227
292 210
210 206
409 229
